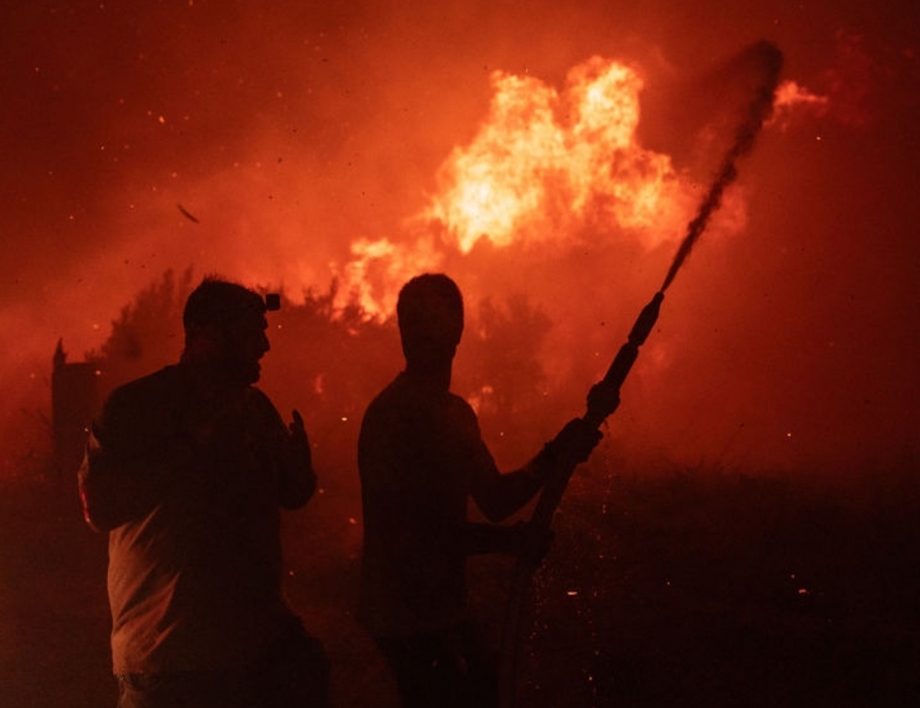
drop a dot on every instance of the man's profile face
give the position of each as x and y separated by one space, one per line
245 342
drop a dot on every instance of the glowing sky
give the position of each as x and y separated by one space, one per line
292 131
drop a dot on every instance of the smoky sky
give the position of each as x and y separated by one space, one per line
288 130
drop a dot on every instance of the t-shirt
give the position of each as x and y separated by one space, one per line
194 577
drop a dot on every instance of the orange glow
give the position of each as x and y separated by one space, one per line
791 97
545 161
379 268
546 171
789 93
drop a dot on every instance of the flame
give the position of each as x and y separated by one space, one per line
545 161
379 268
790 98
546 168
789 93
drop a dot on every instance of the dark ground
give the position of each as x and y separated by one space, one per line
686 588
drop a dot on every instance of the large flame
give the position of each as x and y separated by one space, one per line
545 167
544 160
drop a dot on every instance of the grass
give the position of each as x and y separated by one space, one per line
684 587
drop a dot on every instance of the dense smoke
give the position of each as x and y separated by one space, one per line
276 143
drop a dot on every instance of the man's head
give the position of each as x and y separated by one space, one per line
225 329
430 314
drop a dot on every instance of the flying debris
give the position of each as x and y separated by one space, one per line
186 214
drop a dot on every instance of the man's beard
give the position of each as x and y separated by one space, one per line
242 373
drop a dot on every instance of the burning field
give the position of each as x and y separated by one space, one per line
746 534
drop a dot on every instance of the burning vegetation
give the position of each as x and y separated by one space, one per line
747 528
562 199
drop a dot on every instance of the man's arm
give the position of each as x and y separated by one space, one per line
500 495
522 540
126 471
409 527
115 490
297 481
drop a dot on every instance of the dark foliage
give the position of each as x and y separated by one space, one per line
147 334
682 588
329 361
708 588
690 587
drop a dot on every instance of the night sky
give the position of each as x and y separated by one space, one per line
290 131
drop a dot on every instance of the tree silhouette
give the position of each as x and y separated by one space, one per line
148 333
500 372
329 361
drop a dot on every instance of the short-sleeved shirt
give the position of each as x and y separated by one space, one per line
195 583
420 457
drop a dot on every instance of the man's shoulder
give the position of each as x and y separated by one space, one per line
141 404
403 398
259 400
461 404
154 384
389 396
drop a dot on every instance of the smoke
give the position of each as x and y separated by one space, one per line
307 139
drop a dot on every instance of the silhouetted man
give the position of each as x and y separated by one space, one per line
187 469
420 457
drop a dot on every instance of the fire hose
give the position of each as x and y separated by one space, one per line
769 59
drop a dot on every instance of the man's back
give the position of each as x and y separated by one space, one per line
419 453
194 580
